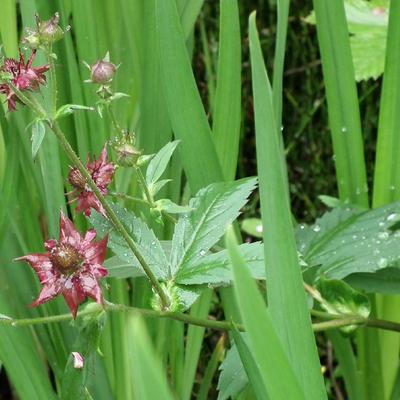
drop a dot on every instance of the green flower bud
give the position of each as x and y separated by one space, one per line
50 31
127 153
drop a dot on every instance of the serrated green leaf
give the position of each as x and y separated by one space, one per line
38 132
232 379
145 239
367 22
215 268
345 241
215 207
159 162
253 227
121 269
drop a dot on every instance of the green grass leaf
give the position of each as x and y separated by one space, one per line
277 374
149 380
227 102
286 298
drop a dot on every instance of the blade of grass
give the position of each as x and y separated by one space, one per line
286 298
344 121
227 111
279 58
387 181
187 116
276 372
8 27
148 379
341 93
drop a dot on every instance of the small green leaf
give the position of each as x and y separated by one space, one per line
341 299
253 227
157 186
159 162
38 132
69 109
331 202
170 207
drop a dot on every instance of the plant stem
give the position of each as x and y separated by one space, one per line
53 83
146 190
108 210
113 118
54 126
109 307
206 323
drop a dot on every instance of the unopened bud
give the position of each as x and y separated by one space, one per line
102 72
76 179
127 153
50 31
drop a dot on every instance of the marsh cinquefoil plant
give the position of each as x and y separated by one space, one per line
336 262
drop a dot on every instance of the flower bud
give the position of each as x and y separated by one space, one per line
127 153
50 31
102 72
76 179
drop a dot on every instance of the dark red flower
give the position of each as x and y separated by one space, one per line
71 266
23 77
102 173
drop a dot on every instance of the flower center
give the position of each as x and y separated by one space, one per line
65 257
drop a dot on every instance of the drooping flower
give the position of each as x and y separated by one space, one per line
102 173
23 76
71 266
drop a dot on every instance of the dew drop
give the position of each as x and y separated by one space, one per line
302 226
383 262
316 228
259 228
202 252
383 235
381 223
344 129
392 187
391 217
354 237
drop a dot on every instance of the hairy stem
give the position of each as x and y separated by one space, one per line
108 210
206 323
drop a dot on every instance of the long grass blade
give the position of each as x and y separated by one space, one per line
286 298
